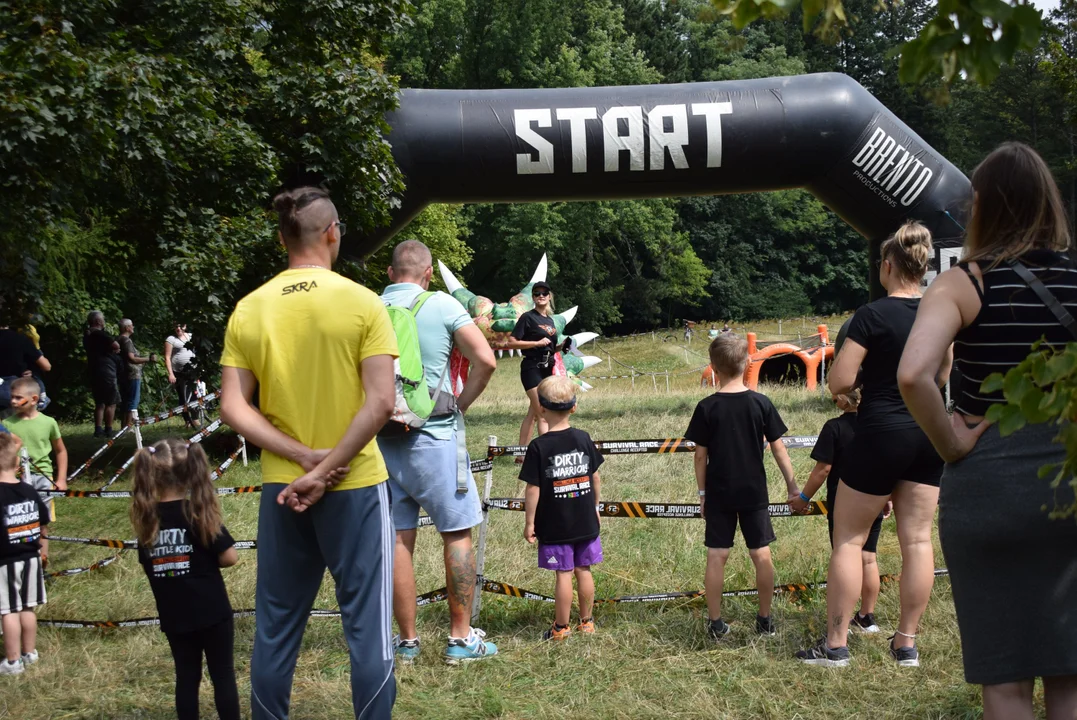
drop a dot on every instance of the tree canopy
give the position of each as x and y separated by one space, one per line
142 144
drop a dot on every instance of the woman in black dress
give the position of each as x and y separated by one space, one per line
536 335
1013 567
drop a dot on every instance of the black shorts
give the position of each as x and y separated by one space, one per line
531 373
877 460
104 390
872 543
722 526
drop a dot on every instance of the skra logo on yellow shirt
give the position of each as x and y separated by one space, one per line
299 287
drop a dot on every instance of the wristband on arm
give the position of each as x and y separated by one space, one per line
804 497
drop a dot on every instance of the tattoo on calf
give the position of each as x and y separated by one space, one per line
460 567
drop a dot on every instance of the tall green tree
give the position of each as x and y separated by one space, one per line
141 143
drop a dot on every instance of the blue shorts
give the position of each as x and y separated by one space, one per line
422 473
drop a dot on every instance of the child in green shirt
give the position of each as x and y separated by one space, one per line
40 436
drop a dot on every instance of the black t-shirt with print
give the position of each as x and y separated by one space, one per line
834 439
17 353
21 516
882 327
185 575
562 464
532 326
732 426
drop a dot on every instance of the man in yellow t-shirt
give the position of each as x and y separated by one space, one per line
320 350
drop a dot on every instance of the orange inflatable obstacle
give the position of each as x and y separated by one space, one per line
809 359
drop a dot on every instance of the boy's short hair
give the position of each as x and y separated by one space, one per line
729 354
26 384
9 451
557 390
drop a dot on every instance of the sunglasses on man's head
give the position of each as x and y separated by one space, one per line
541 293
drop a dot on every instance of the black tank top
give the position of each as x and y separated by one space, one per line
1011 318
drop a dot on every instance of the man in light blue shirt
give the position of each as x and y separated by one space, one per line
429 467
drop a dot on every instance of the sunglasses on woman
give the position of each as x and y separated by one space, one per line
541 293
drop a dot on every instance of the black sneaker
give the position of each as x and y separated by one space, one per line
906 656
864 623
820 654
765 625
98 432
718 629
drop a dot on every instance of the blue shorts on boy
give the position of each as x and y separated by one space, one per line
733 426
562 464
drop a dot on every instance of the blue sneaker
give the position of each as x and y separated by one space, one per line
407 651
473 647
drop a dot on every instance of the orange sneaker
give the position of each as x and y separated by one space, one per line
586 626
556 633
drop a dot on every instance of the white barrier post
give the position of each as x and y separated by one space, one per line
480 554
667 381
654 380
138 430
243 449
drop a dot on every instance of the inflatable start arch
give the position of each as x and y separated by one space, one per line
824 133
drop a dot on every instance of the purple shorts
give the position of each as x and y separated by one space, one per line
568 556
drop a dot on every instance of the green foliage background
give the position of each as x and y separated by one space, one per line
141 143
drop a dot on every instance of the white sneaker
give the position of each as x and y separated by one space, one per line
29 658
11 668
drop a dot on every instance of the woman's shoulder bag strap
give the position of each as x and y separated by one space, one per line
1045 295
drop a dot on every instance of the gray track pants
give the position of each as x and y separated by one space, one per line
350 532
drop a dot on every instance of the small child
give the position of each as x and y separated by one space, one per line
40 436
829 451
22 581
561 472
728 429
182 545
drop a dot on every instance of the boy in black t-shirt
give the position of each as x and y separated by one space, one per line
829 454
561 472
22 581
729 429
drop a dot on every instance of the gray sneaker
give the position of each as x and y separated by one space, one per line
29 658
906 656
820 654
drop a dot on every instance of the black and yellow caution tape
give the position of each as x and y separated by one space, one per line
79 570
178 410
645 447
629 509
97 453
429 598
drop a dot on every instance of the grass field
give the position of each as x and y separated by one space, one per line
646 661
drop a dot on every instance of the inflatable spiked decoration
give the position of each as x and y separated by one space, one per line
496 320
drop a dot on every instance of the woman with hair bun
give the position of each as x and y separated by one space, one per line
889 459
1013 568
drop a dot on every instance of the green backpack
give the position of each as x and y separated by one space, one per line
415 404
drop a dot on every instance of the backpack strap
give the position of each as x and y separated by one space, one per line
1046 296
416 306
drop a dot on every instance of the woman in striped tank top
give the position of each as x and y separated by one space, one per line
1013 569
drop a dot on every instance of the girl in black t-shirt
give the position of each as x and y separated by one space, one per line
889 458
182 547
536 334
